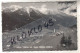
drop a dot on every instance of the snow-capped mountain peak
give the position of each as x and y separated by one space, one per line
30 9
12 8
72 10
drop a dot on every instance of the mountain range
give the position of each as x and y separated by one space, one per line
15 16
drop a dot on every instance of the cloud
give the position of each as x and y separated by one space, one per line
29 10
43 9
43 6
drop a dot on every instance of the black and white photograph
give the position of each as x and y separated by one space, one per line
39 26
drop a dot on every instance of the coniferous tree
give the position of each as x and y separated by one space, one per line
18 38
62 40
69 41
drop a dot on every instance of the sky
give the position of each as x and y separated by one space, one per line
48 5
32 0
26 4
